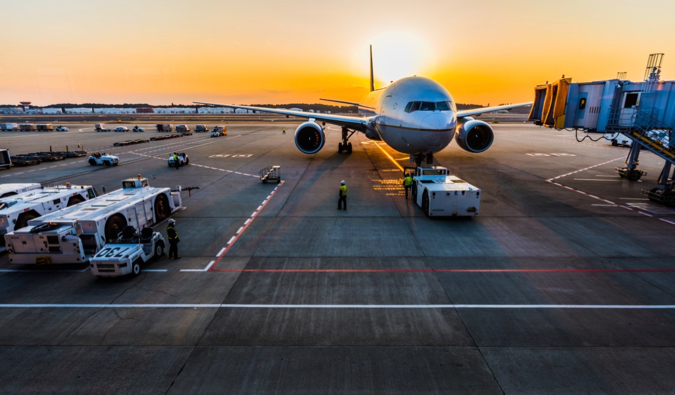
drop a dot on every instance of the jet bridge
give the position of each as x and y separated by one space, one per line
642 111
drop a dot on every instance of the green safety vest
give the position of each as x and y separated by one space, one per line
407 181
343 190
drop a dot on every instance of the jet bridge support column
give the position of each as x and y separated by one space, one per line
664 193
631 171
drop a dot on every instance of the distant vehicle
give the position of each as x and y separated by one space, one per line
5 159
9 126
164 127
618 139
201 129
44 127
121 129
100 127
182 128
183 160
126 255
138 129
98 158
440 194
219 131
61 129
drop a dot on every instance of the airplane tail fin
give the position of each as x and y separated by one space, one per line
372 79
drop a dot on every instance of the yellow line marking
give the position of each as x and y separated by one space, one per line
389 156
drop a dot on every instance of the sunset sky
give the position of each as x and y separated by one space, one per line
265 51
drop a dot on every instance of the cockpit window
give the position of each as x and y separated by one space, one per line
429 106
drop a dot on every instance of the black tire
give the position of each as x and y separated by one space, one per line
92 162
136 268
114 225
116 163
615 143
349 148
159 249
425 203
339 148
634 175
107 163
187 161
413 191
22 220
162 208
77 199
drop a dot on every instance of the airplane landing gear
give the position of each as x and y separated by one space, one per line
345 145
418 158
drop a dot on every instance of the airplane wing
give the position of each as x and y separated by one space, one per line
477 111
356 123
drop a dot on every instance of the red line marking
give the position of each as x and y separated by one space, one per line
445 270
238 235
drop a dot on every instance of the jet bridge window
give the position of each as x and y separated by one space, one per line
582 103
631 100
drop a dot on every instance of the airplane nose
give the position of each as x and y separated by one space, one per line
435 128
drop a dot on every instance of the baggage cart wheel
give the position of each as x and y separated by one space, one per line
159 250
425 203
136 268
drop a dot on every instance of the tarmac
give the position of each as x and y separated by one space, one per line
564 282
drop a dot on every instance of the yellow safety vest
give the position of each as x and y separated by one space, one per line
343 190
407 181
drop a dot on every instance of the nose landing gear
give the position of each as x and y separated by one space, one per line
345 145
418 158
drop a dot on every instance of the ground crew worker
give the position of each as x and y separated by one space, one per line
283 131
343 195
175 160
173 239
407 183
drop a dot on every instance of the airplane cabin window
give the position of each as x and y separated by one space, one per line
427 106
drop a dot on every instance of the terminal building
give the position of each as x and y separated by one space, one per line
642 111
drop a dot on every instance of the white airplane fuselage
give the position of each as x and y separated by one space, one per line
404 128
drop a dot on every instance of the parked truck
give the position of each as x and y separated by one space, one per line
101 127
164 127
440 194
76 234
9 127
17 210
182 128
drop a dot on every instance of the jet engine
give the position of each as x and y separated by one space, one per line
474 136
309 137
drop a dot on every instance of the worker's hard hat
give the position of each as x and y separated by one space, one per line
172 221
342 182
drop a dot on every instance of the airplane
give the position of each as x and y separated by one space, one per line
413 115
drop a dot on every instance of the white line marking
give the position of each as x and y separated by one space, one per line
604 205
247 221
594 179
192 270
633 199
155 270
240 229
259 207
229 242
222 250
336 306
209 266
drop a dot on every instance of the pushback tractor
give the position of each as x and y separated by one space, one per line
440 194
75 234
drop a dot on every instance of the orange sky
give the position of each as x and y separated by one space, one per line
263 51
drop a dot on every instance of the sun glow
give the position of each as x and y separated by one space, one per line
399 54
